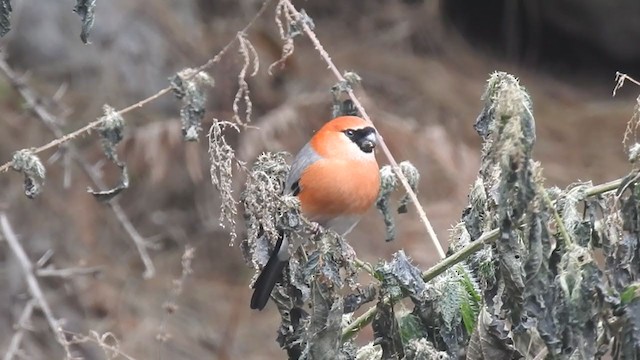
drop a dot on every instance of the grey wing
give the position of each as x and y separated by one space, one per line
305 157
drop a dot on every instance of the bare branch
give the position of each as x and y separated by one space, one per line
69 272
61 140
111 351
30 278
170 305
51 122
21 326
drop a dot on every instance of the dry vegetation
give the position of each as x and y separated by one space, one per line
140 266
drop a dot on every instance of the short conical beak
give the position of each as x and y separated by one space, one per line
369 142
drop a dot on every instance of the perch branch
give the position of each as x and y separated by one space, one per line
459 256
394 164
61 140
30 277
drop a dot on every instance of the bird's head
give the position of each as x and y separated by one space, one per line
346 136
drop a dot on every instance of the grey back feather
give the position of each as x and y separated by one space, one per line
305 157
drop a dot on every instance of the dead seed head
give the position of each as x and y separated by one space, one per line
222 157
262 196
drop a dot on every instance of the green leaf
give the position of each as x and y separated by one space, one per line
410 328
630 293
470 305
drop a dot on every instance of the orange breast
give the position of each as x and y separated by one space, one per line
331 188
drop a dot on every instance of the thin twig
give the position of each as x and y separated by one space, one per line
170 306
394 164
620 79
21 326
68 272
459 256
32 282
365 266
111 351
52 123
94 124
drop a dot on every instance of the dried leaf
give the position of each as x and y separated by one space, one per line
580 281
353 302
188 86
492 339
474 215
5 16
402 276
388 184
412 175
387 332
111 131
325 331
323 267
109 194
86 10
27 163
421 349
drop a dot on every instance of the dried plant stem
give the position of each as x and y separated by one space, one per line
556 216
51 122
459 256
363 320
394 164
16 339
365 266
32 283
603 188
85 129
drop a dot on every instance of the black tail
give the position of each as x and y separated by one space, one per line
267 279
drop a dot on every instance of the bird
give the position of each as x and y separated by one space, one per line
336 178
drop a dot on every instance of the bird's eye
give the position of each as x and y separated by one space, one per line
349 133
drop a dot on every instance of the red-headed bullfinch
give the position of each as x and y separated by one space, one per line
336 177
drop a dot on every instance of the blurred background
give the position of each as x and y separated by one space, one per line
424 65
